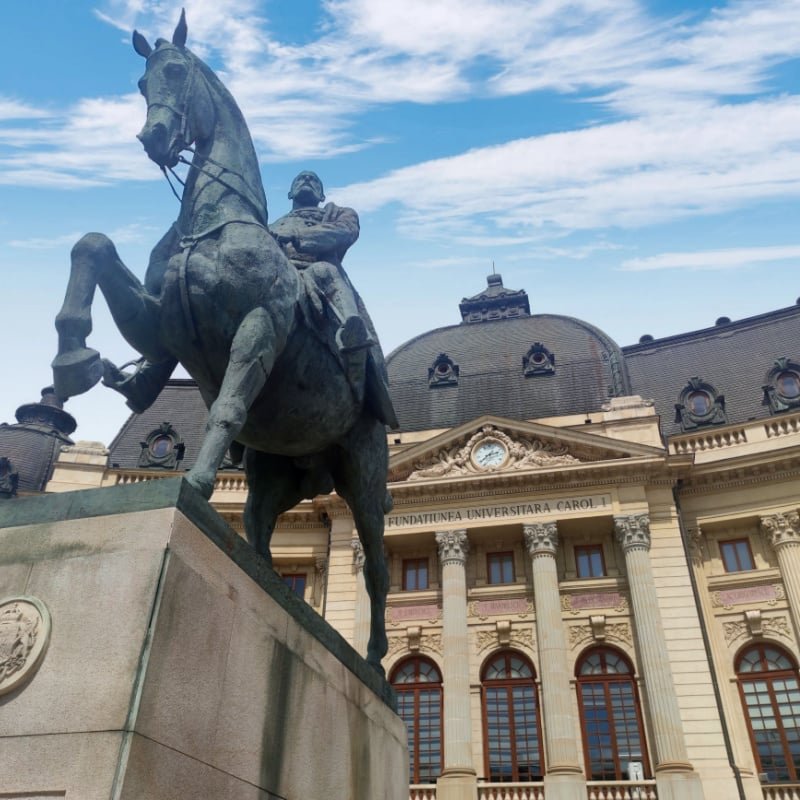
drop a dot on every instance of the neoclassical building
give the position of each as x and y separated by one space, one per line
594 553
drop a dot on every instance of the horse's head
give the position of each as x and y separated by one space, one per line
179 109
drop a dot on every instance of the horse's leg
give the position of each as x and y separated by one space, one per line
253 354
273 487
95 263
360 477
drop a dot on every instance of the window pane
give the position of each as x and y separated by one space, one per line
415 574
297 583
609 716
736 555
500 567
513 746
419 704
772 715
589 561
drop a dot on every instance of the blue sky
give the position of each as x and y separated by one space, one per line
633 164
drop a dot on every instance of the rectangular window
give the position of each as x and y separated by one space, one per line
500 567
297 583
589 561
736 555
415 574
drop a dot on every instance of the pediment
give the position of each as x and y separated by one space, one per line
490 445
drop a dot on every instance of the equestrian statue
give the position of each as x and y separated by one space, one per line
265 321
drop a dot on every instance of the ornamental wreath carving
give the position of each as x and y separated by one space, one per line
521 453
24 634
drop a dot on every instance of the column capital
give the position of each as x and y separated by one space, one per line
541 538
453 546
781 529
358 554
633 532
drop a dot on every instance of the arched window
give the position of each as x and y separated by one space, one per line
512 734
419 702
768 682
611 718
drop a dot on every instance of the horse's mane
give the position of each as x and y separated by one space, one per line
217 87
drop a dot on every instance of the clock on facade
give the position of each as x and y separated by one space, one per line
489 453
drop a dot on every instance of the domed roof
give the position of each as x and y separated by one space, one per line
505 361
30 448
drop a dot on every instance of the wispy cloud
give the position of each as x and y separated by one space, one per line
679 149
126 234
734 258
625 174
14 109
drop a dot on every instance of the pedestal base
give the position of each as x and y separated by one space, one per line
179 665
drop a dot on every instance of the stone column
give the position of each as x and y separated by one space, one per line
783 533
458 780
675 776
362 612
563 777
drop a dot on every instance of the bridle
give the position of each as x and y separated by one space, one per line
181 110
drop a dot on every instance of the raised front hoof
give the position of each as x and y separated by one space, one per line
201 483
76 371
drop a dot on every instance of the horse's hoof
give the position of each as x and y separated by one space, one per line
76 371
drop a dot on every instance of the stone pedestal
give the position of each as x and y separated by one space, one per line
178 664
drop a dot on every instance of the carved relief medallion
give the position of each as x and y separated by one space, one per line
24 634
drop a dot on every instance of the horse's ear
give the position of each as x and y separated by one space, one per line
179 37
141 45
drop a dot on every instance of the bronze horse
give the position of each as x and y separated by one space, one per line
221 298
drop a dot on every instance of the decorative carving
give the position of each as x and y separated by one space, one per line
618 631
728 598
432 642
521 637
633 532
443 371
358 555
483 609
9 479
575 603
700 404
24 634
541 538
397 644
781 529
696 544
413 637
782 386
756 626
162 448
523 453
430 613
453 547
538 361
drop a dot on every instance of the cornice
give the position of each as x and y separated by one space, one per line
742 471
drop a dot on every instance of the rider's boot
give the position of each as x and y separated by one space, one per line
139 388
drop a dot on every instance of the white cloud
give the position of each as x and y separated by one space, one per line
625 174
14 109
734 258
133 233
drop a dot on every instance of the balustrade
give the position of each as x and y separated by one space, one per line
783 791
621 790
510 791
